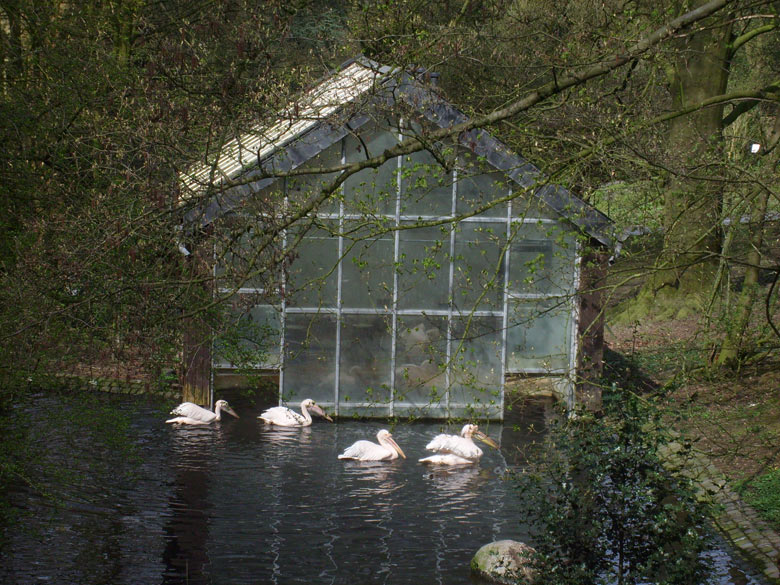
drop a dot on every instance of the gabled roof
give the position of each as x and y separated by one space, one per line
312 124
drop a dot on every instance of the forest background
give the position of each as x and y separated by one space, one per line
664 115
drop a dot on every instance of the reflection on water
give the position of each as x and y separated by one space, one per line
457 486
374 478
285 436
240 502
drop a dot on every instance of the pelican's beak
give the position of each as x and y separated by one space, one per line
391 440
229 410
316 408
485 439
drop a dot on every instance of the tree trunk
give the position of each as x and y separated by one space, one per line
590 354
693 198
196 366
734 342
730 350
13 58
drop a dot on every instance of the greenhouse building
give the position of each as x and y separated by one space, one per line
384 266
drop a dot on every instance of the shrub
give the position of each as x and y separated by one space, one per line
603 508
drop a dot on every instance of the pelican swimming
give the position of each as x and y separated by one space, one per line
286 417
386 450
192 414
458 450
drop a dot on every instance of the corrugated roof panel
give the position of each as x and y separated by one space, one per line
262 140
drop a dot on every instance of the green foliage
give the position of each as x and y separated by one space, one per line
95 127
631 204
763 494
245 343
603 508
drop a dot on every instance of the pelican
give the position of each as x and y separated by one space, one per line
386 450
192 414
286 417
458 450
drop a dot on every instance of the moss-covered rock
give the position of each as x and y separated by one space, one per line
504 561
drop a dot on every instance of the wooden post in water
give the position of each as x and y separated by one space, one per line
196 377
196 366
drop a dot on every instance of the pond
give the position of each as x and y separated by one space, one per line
133 500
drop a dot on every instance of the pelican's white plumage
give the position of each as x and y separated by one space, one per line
386 450
458 450
286 417
188 413
448 459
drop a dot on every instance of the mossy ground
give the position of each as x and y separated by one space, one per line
733 416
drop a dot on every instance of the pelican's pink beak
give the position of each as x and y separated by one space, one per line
391 440
230 410
485 439
317 410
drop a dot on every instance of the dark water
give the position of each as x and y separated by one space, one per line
132 500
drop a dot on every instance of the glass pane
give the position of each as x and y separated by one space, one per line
365 359
313 276
476 364
479 267
303 189
251 337
527 206
421 360
372 191
367 272
426 187
539 335
310 357
242 258
541 259
424 268
478 186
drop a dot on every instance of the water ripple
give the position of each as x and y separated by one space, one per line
240 502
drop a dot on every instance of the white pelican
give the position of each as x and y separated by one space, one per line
458 450
286 417
386 450
192 414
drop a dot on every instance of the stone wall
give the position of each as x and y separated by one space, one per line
110 385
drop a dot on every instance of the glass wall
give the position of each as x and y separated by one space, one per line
388 306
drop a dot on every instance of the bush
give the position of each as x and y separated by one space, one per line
602 507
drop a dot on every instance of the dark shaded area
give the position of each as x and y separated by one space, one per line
621 370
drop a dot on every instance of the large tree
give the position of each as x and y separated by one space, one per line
102 104
698 175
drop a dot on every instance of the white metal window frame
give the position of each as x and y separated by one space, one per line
394 313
